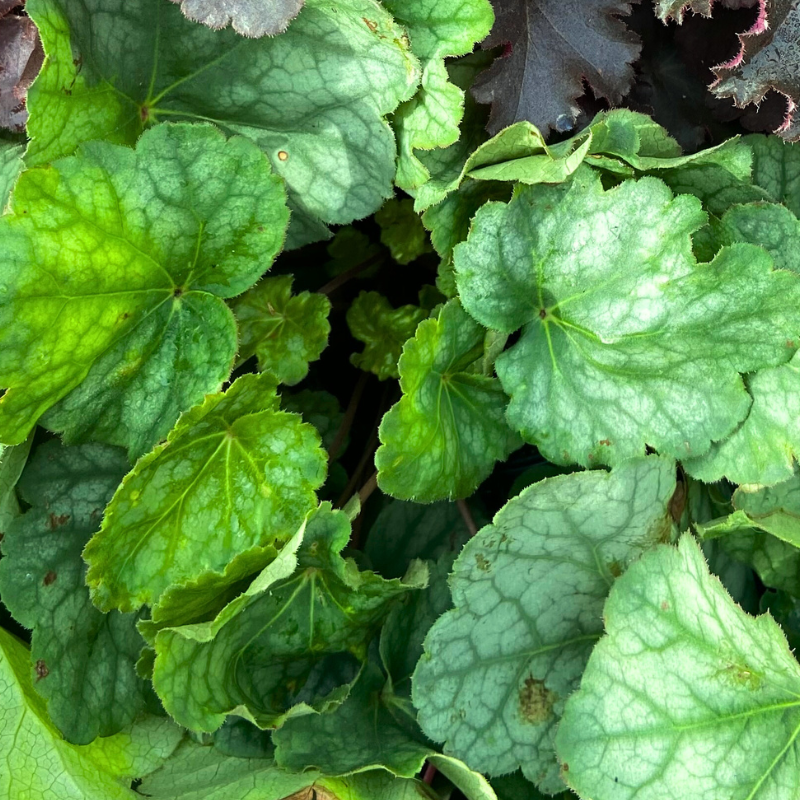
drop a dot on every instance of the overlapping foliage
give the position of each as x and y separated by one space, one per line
383 420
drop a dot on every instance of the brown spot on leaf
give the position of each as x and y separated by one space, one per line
536 701
565 767
615 568
41 670
283 155
483 564
373 26
57 520
542 313
790 343
49 578
605 442
665 606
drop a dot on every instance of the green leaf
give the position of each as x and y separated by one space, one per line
383 329
776 169
371 729
769 225
313 99
203 773
627 341
10 168
686 695
235 464
520 643
763 448
12 462
437 28
445 165
115 264
321 409
84 659
405 531
37 762
775 510
259 650
447 431
449 222
285 332
402 230
249 17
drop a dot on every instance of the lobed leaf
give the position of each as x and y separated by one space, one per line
235 466
447 431
252 18
626 340
115 265
313 99
284 331
261 648
685 692
383 329
528 592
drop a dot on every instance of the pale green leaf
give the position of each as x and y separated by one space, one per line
447 431
626 340
284 331
261 648
84 659
528 592
436 28
769 225
764 447
686 695
383 329
203 773
37 764
234 465
10 168
115 265
313 99
402 230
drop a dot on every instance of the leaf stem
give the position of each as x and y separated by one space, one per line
467 516
368 488
429 773
349 416
342 278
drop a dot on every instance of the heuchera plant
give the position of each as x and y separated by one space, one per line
392 407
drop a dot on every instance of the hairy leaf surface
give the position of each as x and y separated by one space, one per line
252 18
769 59
685 693
84 659
447 431
115 263
313 99
235 473
555 46
627 341
284 331
528 592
